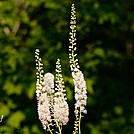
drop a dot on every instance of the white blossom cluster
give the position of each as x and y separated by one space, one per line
78 77
44 90
44 110
80 90
52 105
45 99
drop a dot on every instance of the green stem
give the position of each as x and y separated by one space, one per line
80 123
58 126
50 130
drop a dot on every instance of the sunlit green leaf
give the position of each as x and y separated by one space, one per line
15 119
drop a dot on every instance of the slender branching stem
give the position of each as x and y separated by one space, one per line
58 127
49 129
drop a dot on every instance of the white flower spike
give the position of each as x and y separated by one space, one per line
52 106
61 108
78 77
44 88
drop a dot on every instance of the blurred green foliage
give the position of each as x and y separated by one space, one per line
105 31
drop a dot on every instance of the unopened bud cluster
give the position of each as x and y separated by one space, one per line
72 40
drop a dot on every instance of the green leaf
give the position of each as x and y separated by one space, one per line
15 119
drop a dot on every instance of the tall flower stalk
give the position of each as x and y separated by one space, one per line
44 93
61 109
52 106
78 77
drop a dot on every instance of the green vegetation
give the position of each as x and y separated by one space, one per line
105 41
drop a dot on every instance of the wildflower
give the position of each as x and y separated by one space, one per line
78 77
45 82
43 110
80 90
53 110
44 92
48 83
61 109
40 74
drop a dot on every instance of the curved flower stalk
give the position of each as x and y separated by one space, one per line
53 110
78 77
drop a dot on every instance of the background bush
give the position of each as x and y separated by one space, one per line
105 33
